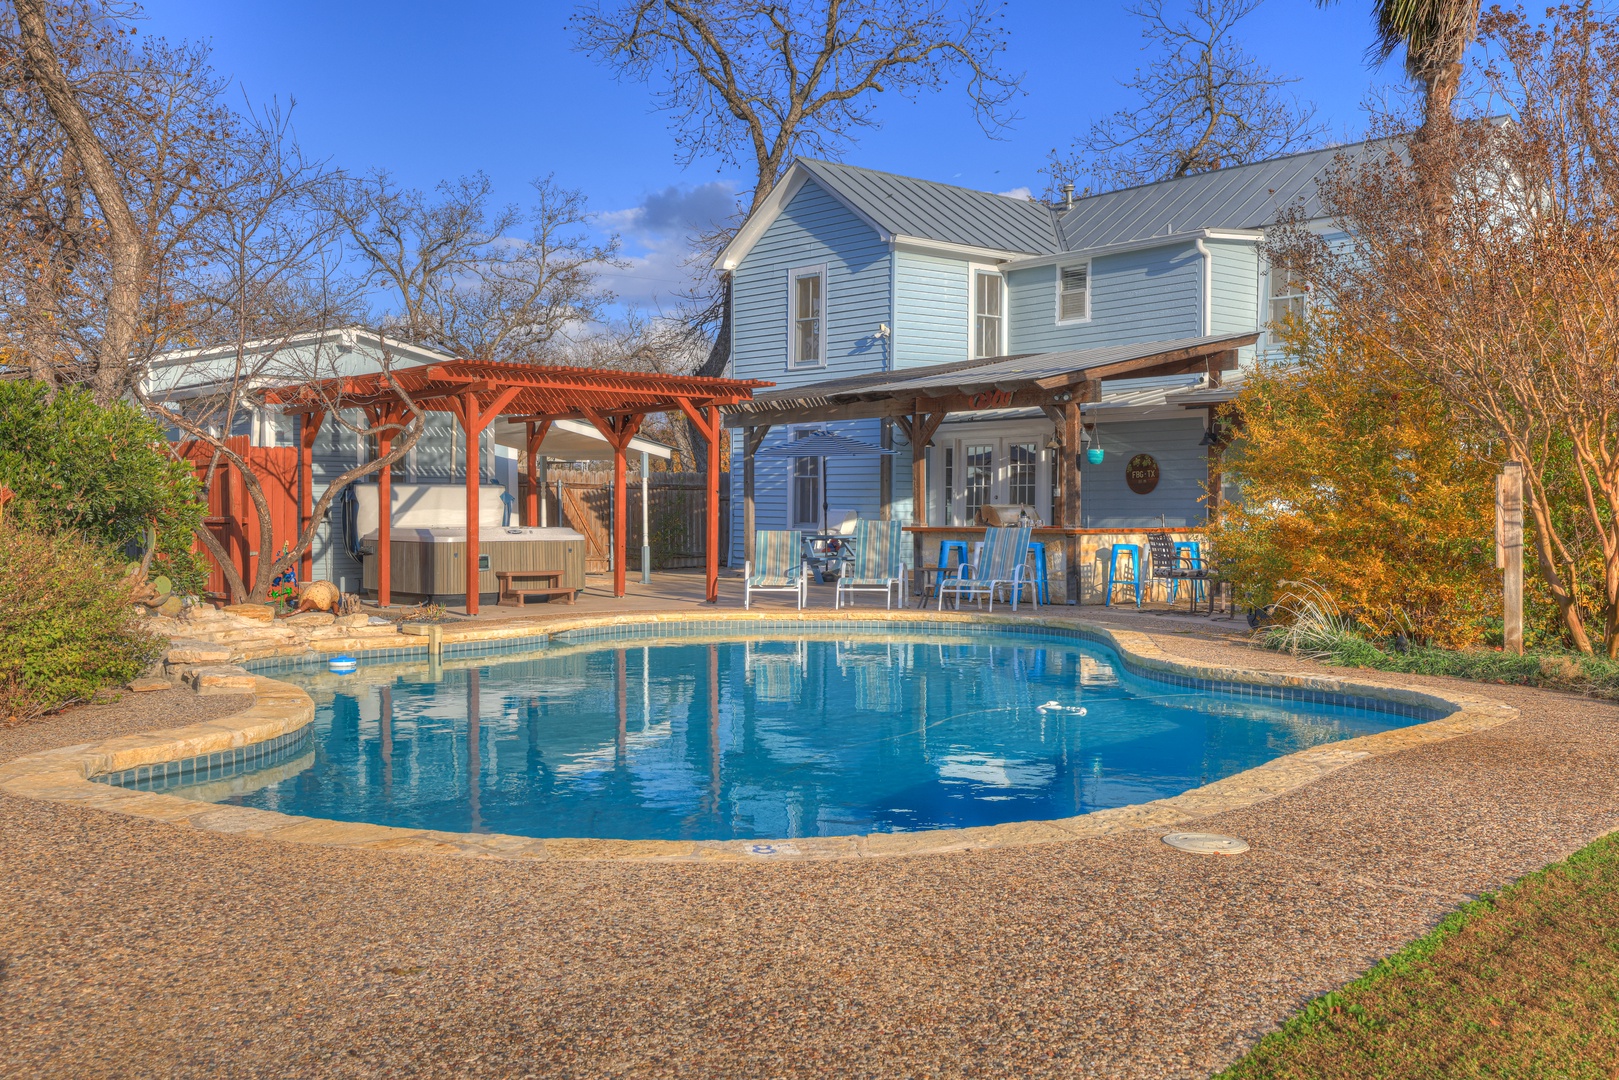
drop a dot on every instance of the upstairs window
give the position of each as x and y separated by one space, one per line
1074 293
986 314
807 306
1287 296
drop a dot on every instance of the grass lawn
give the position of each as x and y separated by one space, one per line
1521 983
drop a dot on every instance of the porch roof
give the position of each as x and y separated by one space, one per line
996 382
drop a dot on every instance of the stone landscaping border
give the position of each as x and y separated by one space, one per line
64 775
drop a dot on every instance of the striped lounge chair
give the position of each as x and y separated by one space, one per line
1001 561
777 565
878 564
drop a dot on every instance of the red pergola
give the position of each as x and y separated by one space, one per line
478 392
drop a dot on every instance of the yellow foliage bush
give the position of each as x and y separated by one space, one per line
1354 476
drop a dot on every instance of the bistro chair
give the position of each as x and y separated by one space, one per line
877 565
1169 566
1002 560
780 566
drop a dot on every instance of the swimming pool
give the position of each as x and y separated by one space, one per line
822 733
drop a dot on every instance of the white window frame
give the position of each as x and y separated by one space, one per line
1270 298
1090 293
973 270
794 274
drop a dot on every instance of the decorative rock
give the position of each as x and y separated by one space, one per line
357 619
310 619
170 607
257 612
1203 843
146 686
197 652
376 620
319 596
220 679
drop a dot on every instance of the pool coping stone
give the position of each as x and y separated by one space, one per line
65 775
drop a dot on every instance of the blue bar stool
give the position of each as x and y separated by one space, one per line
945 548
1112 571
1042 591
1188 555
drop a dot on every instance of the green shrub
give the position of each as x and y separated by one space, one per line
67 629
104 473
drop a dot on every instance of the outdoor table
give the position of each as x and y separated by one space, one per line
817 553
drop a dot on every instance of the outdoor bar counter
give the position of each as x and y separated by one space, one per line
1094 548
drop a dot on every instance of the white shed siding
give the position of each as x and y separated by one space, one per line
1135 296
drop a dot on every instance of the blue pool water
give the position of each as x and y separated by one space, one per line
753 739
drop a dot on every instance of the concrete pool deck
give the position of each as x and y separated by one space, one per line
131 947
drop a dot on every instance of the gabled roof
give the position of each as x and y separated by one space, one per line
1241 197
904 208
907 207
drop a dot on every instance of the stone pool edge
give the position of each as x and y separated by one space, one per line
63 775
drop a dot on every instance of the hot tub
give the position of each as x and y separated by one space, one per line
430 563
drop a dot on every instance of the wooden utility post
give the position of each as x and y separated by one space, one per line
1509 552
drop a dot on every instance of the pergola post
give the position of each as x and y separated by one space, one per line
307 433
752 439
537 431
618 432
706 418
1072 425
384 422
1216 479
919 428
646 516
474 417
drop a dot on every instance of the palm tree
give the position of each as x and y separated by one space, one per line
1435 34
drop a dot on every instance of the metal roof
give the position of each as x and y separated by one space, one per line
1241 197
906 206
1005 374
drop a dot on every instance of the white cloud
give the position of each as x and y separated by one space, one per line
1018 193
657 238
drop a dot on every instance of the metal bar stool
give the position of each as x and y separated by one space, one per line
1113 568
1188 553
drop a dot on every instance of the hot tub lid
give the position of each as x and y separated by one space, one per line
457 534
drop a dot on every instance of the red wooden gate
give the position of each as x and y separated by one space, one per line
232 516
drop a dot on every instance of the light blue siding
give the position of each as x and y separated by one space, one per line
930 310
813 229
852 483
1136 296
1107 501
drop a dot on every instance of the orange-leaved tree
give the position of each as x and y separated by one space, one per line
1355 477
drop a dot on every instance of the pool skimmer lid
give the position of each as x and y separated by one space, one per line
1206 843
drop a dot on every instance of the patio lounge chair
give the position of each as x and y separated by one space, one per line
1001 561
1169 565
878 563
780 565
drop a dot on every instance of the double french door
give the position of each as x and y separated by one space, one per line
983 470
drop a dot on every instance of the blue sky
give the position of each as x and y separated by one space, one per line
496 86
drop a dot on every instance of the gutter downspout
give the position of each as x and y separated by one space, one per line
1208 286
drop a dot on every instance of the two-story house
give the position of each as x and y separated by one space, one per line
845 271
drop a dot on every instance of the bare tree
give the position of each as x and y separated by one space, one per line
756 82
458 282
1204 103
1506 297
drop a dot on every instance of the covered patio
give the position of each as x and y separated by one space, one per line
918 399
479 393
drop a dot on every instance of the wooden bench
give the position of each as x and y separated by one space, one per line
514 594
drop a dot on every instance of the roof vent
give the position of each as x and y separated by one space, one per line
1068 195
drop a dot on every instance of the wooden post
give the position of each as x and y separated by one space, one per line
919 428
885 471
385 513
1071 442
536 490
470 421
618 433
1509 552
712 508
307 433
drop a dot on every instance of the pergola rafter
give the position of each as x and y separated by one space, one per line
479 392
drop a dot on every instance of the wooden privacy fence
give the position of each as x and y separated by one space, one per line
232 517
675 514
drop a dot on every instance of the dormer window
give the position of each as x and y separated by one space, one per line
1287 296
1074 293
806 302
987 317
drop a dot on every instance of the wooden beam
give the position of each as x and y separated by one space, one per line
712 507
752 439
536 432
1071 441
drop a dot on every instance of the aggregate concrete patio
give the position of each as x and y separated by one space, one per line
136 948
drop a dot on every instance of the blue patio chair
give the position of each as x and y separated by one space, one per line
1001 562
878 564
777 566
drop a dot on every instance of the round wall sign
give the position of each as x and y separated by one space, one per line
1141 474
